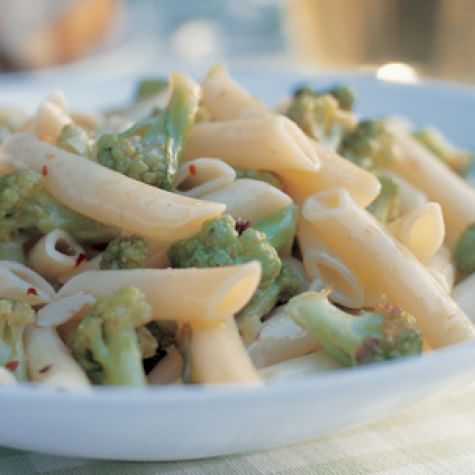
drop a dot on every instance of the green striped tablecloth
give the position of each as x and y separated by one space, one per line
436 437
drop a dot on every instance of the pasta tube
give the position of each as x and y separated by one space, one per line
62 310
218 356
421 230
272 143
440 265
19 282
382 264
425 171
200 296
50 361
108 196
250 199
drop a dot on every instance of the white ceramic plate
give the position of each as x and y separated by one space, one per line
191 422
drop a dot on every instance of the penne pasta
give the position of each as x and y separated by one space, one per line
421 230
19 282
199 296
55 254
218 356
198 177
384 265
51 363
250 199
272 143
225 99
108 196
51 118
441 267
425 171
84 266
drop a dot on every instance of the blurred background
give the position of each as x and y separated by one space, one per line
398 38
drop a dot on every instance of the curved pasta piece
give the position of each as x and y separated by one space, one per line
218 356
50 362
198 296
62 310
107 196
410 197
19 282
425 171
327 270
250 199
464 294
225 99
203 175
422 230
440 265
382 264
50 119
334 172
272 143
280 339
55 254
84 266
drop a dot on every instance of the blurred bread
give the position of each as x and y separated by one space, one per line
45 32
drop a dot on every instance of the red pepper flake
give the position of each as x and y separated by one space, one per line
44 170
44 369
241 225
31 291
80 259
12 365
192 169
49 156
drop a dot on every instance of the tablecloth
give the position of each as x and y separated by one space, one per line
434 437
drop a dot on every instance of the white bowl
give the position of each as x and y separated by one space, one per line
190 422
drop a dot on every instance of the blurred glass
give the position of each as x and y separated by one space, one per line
436 37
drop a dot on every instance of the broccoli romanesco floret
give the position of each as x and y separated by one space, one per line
321 117
260 175
105 343
464 251
150 150
150 87
343 94
385 207
280 229
370 145
219 244
25 206
75 139
128 252
14 318
383 334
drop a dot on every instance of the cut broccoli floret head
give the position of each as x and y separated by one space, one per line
128 252
260 175
464 251
105 343
25 206
219 244
385 207
343 94
150 87
383 334
370 145
14 318
150 150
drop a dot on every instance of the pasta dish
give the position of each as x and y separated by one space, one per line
198 236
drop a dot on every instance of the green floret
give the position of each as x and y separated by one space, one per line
459 160
260 175
128 252
320 117
25 206
464 251
14 318
14 250
286 285
280 229
370 145
385 207
75 139
150 150
150 87
219 244
384 334
343 94
105 343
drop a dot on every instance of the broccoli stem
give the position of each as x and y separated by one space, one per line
280 229
150 87
385 207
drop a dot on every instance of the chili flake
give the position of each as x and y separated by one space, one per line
12 365
31 291
44 369
192 169
241 225
44 170
80 259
